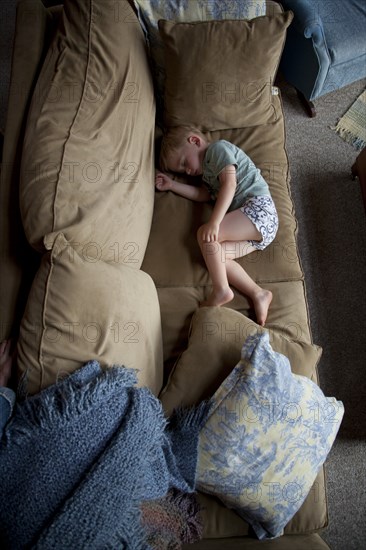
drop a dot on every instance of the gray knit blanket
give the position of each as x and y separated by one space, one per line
78 460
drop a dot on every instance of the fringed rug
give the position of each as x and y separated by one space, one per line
352 126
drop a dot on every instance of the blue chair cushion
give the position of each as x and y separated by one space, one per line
344 29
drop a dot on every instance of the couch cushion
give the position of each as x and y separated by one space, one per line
81 309
291 542
215 341
173 256
226 80
149 14
87 167
220 521
288 314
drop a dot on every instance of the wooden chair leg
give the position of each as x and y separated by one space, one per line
309 105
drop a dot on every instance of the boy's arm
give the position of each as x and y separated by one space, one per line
165 183
224 199
195 193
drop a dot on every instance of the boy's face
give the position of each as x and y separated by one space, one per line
189 158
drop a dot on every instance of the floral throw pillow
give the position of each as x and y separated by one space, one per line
268 433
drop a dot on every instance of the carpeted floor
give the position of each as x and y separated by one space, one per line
332 244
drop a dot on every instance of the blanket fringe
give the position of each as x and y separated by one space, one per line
172 521
350 138
68 398
190 417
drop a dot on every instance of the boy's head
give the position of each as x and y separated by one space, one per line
182 150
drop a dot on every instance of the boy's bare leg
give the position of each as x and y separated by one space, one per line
221 293
260 297
6 361
235 231
226 271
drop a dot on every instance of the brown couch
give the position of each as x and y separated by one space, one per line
96 264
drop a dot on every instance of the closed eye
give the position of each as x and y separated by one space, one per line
182 167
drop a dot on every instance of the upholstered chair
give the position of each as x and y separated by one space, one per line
325 46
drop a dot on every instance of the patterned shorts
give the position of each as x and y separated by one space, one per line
262 212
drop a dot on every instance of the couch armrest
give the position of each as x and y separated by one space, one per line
307 19
18 261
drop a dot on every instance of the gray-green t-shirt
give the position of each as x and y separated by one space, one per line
250 182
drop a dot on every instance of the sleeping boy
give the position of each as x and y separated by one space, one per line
244 217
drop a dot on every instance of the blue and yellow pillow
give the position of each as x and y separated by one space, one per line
268 433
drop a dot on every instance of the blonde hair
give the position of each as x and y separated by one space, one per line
172 141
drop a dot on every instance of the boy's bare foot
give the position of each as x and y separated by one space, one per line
218 298
261 302
6 361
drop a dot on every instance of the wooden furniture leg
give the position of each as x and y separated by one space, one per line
309 105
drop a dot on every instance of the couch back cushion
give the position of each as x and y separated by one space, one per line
87 167
81 309
150 13
226 80
217 334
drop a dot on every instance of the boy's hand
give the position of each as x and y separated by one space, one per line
210 232
163 182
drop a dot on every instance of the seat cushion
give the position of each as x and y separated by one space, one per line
299 542
287 315
173 256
